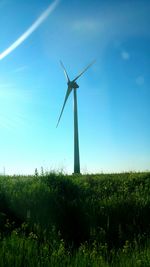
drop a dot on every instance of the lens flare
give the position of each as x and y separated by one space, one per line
30 30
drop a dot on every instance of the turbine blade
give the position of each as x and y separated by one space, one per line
84 70
66 74
66 97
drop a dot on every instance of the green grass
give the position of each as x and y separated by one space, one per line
22 251
88 220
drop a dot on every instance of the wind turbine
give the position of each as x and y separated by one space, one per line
72 86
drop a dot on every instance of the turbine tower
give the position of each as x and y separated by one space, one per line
72 86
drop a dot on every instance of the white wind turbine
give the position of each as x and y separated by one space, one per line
72 85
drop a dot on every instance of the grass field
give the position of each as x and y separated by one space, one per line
89 220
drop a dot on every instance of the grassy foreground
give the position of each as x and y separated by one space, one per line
91 220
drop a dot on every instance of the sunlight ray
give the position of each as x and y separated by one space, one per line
30 30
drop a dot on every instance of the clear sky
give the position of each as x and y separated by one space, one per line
114 94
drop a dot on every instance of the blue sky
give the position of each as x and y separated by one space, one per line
114 94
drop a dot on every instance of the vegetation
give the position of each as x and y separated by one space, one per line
89 220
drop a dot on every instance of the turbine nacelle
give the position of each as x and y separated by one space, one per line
72 85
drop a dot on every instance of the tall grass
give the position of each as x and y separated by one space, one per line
91 220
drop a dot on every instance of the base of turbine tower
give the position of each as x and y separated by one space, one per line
76 173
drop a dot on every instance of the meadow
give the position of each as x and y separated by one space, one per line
80 220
